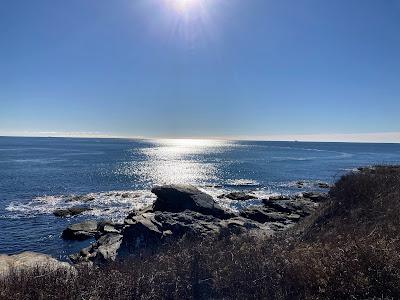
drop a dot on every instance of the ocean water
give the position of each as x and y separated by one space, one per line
39 175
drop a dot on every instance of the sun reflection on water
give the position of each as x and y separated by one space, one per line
168 161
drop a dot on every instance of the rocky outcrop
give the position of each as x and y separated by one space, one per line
314 196
323 185
182 210
285 209
80 231
71 211
104 249
85 230
150 230
180 197
239 196
26 261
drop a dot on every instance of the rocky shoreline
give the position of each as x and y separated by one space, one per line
184 210
178 211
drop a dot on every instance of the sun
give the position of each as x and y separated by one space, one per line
184 6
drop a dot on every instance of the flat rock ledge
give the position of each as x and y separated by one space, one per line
183 210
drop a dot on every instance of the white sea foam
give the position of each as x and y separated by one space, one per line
241 182
237 205
355 170
113 205
116 205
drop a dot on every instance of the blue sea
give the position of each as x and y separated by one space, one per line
39 175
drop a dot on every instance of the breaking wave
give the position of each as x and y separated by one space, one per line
116 205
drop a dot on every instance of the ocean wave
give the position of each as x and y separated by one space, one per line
237 205
114 205
301 184
241 182
350 169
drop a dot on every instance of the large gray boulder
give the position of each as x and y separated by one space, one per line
26 261
180 197
80 231
298 205
105 249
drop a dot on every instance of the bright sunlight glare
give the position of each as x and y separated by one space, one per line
184 6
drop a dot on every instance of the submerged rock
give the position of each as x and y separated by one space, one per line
81 198
72 211
300 184
240 196
323 185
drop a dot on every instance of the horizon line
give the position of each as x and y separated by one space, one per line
377 137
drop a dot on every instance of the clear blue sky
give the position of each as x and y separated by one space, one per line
219 68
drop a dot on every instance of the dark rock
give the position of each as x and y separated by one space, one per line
80 231
300 184
316 197
104 249
241 196
180 197
72 211
188 222
298 205
213 186
183 210
150 230
146 209
283 206
323 185
144 232
279 197
109 227
129 195
81 198
261 215
107 247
